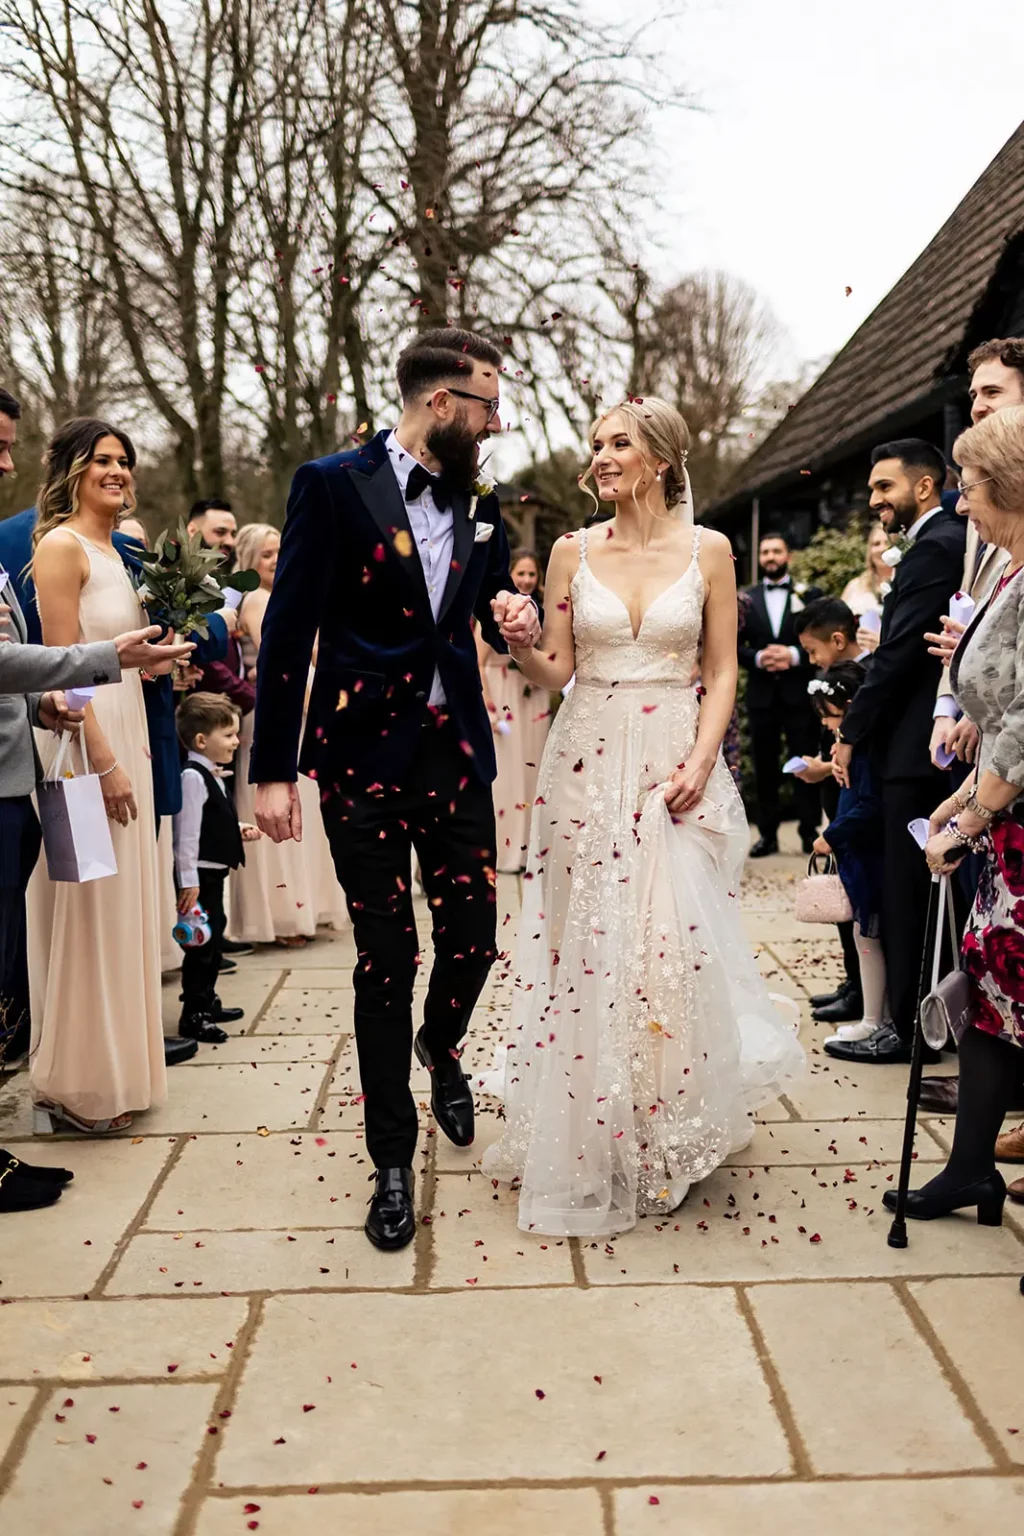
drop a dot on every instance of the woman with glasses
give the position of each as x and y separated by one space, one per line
987 815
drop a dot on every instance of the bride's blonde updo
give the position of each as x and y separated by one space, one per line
657 431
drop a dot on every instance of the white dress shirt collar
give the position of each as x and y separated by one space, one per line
402 461
915 529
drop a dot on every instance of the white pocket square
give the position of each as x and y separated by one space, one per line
483 533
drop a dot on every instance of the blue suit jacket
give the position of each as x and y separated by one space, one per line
15 556
349 569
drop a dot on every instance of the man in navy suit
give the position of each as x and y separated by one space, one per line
390 551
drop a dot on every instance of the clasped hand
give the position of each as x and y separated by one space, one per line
776 658
517 619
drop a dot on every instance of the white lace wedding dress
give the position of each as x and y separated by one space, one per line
642 1033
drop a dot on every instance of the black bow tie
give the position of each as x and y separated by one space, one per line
773 585
420 480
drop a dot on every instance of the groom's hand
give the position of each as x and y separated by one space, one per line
516 617
279 812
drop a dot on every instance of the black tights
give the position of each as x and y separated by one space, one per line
990 1069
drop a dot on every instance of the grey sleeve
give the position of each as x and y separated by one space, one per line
38 668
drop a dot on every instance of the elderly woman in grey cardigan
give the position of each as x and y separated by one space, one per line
987 815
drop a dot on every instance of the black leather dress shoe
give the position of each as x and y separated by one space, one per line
227 965
215 1010
200 1027
39 1171
824 999
236 947
20 1193
450 1096
391 1222
940 1094
177 1049
846 1009
987 1194
881 1048
763 847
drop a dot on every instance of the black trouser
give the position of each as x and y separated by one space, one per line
200 967
905 892
445 813
802 732
20 840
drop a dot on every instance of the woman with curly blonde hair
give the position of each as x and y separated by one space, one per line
283 890
94 949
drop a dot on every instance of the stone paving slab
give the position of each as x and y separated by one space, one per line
454 1512
966 1506
63 1252
476 1414
239 1262
476 1242
88 1341
866 1391
979 1325
238 1097
129 1478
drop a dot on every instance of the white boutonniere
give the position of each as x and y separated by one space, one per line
796 604
884 590
482 486
892 557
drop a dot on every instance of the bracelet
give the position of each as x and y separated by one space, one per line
974 805
113 765
974 844
960 799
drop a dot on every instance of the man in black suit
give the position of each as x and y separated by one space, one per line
777 705
390 551
892 716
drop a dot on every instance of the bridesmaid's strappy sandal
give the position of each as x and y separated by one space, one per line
48 1119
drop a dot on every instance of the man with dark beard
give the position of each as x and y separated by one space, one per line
892 716
390 551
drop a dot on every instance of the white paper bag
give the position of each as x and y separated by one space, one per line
76 831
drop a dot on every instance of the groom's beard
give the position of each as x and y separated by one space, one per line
776 570
457 451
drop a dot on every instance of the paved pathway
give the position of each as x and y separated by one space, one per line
199 1341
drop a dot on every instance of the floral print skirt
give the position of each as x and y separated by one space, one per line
993 947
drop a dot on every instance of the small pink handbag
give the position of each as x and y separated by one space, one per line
822 898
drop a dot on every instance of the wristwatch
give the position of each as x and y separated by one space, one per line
974 805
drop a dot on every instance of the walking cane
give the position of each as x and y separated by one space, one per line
898 1230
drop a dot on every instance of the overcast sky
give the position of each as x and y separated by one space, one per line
834 139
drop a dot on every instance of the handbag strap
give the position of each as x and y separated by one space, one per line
812 864
56 768
945 910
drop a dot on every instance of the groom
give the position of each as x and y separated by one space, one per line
390 553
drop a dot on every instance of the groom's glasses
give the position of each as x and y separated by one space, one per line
492 405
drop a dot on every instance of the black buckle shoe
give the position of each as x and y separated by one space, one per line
764 847
200 1026
37 1171
214 1009
20 1193
177 1050
882 1048
391 1222
450 1095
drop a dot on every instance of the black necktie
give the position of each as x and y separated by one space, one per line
420 480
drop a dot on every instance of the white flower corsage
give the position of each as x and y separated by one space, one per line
892 557
482 486
884 590
796 605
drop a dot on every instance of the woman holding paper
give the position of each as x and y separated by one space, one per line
94 948
864 593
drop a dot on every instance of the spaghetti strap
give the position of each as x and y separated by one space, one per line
582 536
697 531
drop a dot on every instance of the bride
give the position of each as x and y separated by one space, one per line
642 1034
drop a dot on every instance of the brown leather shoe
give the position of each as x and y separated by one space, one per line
1016 1191
1010 1146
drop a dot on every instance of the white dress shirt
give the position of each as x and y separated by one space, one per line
188 822
433 532
775 600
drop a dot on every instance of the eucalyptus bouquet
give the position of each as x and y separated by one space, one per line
183 582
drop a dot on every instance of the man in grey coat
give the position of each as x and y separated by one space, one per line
31 677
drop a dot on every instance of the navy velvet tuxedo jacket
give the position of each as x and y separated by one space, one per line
349 569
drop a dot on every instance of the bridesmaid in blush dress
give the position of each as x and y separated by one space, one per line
284 890
520 718
94 949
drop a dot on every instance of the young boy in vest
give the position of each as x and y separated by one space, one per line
208 842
